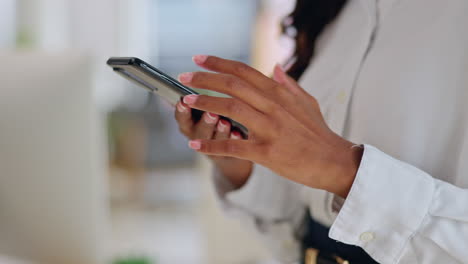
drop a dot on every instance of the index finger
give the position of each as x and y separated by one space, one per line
230 85
235 68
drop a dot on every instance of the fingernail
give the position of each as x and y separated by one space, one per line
190 99
185 77
199 59
181 108
211 118
222 125
278 74
194 144
235 135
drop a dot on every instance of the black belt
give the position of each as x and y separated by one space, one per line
318 248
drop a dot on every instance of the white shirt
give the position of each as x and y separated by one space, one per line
393 75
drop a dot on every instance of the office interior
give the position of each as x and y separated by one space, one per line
93 168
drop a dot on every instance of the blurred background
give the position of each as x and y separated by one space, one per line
92 168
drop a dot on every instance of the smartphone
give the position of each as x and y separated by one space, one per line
155 81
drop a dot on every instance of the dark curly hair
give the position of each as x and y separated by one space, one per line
305 24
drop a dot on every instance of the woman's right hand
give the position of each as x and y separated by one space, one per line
210 126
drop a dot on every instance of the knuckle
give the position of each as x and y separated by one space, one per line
202 101
205 134
207 147
240 68
179 117
233 108
176 114
278 87
270 106
198 77
282 91
232 83
275 109
231 148
185 131
212 61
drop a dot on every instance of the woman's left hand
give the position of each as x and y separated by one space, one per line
287 132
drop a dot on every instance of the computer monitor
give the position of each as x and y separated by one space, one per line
53 194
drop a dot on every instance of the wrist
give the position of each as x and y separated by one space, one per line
235 171
344 169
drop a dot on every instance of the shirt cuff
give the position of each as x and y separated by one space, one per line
387 204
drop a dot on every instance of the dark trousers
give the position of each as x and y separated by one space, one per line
316 236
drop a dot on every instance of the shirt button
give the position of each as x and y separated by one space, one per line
341 97
367 236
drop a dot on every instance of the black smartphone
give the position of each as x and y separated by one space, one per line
155 81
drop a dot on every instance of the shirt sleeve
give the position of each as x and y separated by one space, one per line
268 205
400 214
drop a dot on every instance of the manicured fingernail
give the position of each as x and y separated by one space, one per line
278 74
211 118
181 108
190 99
194 144
185 77
235 135
222 125
199 59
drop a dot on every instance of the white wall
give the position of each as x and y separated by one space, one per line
101 29
7 24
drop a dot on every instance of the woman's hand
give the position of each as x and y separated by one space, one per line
287 132
210 126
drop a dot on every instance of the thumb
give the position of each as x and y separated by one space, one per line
283 78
